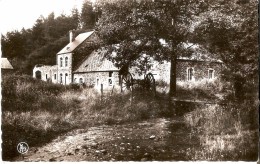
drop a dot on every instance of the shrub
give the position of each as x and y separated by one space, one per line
34 110
226 132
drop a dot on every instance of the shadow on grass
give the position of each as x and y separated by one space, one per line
12 135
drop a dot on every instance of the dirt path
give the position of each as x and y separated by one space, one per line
156 139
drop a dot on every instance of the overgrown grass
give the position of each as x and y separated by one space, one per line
36 112
226 132
200 90
33 111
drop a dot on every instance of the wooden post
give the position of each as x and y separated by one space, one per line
112 90
131 90
101 88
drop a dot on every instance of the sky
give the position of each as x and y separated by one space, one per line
16 14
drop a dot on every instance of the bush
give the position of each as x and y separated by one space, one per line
35 111
226 132
201 90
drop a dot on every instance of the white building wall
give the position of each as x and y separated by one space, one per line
64 73
47 72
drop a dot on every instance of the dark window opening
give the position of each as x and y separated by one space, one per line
211 76
110 74
97 82
66 61
38 74
60 62
190 74
80 80
110 82
60 78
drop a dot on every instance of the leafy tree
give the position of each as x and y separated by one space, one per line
75 16
38 32
134 28
49 27
13 45
87 15
230 31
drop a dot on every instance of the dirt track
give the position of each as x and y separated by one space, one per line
156 139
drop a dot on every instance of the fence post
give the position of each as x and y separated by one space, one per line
112 90
101 91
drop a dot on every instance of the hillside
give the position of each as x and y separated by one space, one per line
40 43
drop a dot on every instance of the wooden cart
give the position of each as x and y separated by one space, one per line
128 83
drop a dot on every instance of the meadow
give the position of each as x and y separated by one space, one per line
227 129
36 112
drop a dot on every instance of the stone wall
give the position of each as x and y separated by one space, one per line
48 73
95 79
161 71
200 69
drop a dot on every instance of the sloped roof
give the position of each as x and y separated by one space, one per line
78 40
5 64
95 62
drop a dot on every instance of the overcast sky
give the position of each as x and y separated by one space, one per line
16 14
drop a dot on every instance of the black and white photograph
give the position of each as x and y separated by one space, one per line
129 80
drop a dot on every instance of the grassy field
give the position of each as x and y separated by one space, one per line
35 112
228 130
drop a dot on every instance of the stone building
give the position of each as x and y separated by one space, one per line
93 69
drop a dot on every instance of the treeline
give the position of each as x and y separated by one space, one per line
39 44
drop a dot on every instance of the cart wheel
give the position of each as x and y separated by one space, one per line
126 82
150 84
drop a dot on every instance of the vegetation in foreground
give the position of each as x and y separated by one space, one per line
228 130
35 111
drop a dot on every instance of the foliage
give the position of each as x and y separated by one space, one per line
229 29
133 29
120 108
226 132
34 110
88 16
40 43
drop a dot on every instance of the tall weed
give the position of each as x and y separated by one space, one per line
36 112
226 132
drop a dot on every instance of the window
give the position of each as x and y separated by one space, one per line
61 62
190 74
210 73
75 80
55 76
110 81
110 74
46 76
66 61
61 78
38 75
66 78
80 80
97 82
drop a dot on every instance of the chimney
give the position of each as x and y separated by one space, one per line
71 36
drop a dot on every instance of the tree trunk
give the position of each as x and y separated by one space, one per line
173 75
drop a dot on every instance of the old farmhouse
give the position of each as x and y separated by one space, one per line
95 70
